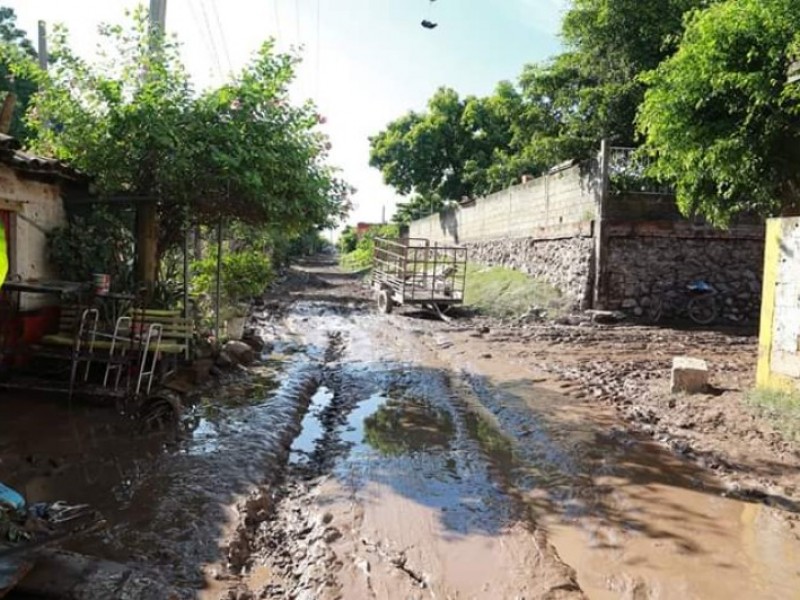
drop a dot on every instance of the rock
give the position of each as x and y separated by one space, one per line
689 375
605 316
239 352
255 342
224 361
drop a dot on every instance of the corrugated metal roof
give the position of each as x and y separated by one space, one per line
12 156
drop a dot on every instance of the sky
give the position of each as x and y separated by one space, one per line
365 62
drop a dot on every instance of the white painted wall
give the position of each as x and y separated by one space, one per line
39 209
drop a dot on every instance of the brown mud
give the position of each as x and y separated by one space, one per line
375 456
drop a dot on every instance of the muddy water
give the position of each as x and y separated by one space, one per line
168 501
452 469
441 479
632 519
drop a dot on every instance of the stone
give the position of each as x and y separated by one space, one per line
224 361
240 352
256 342
689 375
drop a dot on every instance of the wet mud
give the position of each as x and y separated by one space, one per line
373 456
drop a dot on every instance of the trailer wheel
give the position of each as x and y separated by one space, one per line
385 302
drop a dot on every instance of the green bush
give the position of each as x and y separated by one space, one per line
361 258
244 275
506 293
348 240
780 407
97 243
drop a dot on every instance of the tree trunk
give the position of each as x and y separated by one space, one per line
147 244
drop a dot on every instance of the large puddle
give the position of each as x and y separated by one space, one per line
167 500
632 519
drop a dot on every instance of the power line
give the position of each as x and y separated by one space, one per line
211 38
222 36
197 24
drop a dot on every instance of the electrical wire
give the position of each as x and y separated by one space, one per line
222 36
211 39
197 24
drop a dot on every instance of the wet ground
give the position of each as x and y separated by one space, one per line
376 456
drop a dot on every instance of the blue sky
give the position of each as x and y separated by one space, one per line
366 62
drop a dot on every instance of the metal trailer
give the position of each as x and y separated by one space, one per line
415 271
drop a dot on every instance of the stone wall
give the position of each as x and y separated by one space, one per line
648 259
604 249
566 263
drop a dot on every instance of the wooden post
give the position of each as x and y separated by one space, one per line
147 243
218 291
147 213
7 112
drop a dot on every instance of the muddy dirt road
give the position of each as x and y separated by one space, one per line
430 467
374 456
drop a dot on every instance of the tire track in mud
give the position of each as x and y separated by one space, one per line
254 537
296 543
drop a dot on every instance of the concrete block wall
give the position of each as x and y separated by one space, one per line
534 209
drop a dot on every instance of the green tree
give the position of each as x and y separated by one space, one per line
133 120
14 44
719 119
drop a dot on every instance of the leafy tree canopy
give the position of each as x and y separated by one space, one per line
557 110
719 119
14 43
133 120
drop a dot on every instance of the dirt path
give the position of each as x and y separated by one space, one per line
372 456
443 462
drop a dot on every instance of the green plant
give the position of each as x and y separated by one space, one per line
242 151
97 243
502 292
361 258
348 240
244 275
781 407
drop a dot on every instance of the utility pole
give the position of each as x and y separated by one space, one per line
158 14
44 57
147 211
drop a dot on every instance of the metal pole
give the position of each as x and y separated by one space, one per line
158 14
44 58
219 278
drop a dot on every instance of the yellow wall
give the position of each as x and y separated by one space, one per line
779 338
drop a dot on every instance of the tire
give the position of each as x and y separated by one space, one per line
702 309
159 413
385 303
655 311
